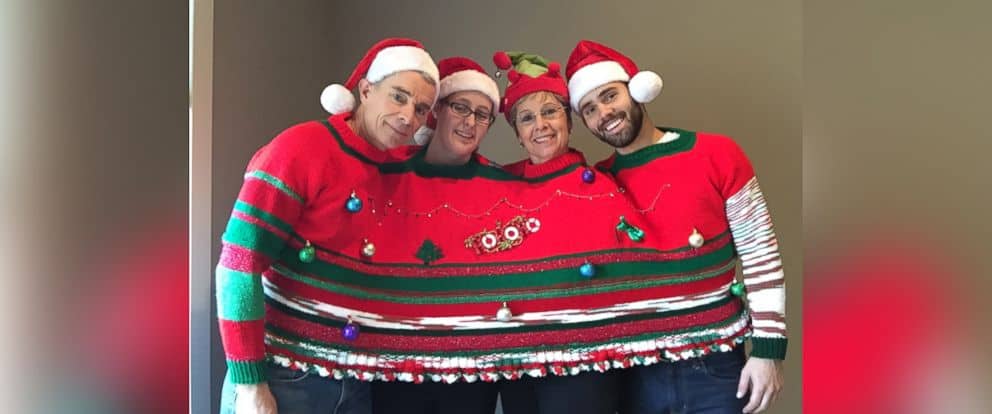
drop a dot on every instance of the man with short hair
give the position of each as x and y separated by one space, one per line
711 204
296 206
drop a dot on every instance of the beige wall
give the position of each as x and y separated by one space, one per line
729 67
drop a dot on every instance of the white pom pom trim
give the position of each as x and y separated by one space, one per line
645 86
423 135
336 99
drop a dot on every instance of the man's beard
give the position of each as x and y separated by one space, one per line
625 136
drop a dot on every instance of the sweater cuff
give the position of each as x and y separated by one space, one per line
770 348
246 372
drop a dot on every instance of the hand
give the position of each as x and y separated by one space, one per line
254 399
765 380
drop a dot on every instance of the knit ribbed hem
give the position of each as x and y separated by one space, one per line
246 372
771 348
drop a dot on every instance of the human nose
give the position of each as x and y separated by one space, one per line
407 114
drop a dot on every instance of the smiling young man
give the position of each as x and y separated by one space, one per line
298 195
713 199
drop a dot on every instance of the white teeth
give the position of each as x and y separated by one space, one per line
464 135
613 124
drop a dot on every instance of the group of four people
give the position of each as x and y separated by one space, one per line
375 262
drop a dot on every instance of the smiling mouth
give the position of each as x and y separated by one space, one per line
398 132
464 135
613 125
542 139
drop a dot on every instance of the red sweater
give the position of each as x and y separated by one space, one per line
712 189
424 266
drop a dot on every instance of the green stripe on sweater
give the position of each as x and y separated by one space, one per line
239 295
524 280
275 182
260 214
253 237
583 287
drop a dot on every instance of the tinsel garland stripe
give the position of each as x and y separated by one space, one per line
242 259
678 330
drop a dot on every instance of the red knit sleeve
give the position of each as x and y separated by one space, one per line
732 168
279 180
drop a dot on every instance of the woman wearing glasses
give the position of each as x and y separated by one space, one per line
467 97
536 106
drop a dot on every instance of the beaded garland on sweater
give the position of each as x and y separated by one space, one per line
457 273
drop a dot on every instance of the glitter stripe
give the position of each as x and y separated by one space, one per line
676 329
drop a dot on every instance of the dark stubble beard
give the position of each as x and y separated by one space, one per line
627 135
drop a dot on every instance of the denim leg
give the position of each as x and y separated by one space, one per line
356 397
709 384
434 398
586 393
518 396
649 389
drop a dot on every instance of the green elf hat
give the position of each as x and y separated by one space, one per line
528 73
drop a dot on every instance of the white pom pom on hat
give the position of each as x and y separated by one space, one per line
336 99
423 135
383 59
645 86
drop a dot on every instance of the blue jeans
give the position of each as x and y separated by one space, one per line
704 385
585 393
298 392
434 398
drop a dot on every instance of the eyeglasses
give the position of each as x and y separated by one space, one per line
551 112
481 117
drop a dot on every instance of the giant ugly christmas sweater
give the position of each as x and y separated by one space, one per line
713 200
347 261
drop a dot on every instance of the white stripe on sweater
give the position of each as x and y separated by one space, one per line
754 238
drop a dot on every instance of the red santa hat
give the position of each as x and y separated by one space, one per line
385 58
592 65
458 74
531 73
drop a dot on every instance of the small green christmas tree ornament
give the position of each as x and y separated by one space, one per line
429 252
